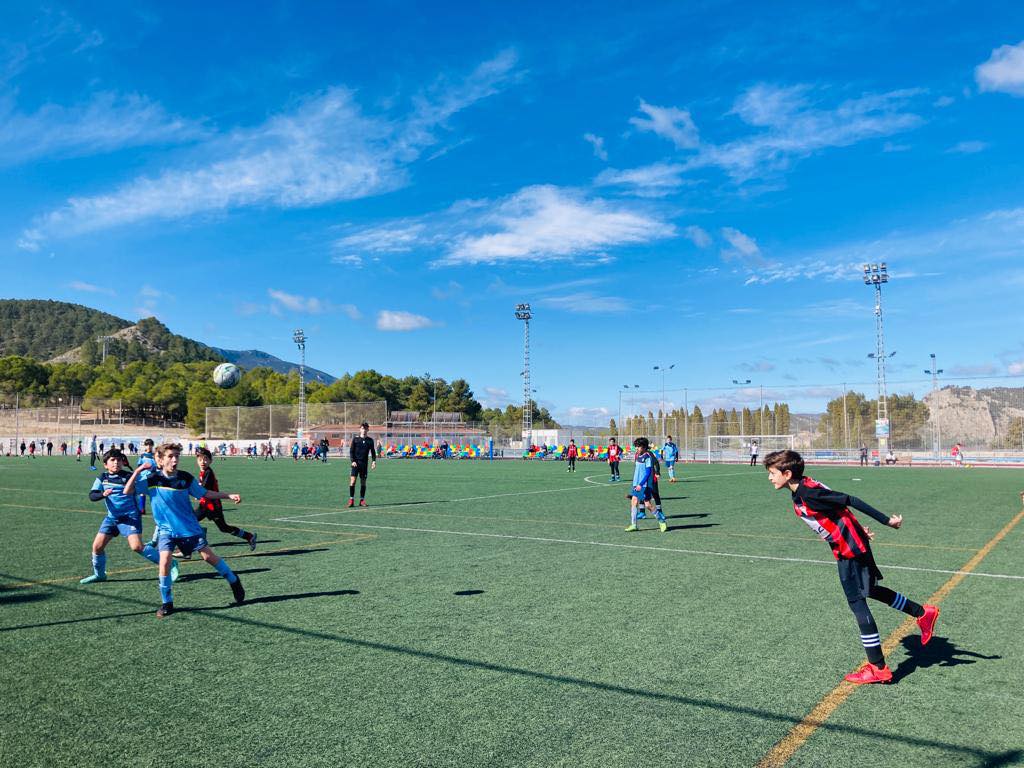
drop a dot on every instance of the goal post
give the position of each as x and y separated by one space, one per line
736 449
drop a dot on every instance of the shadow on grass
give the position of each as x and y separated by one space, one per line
288 552
23 597
940 652
692 527
680 517
240 543
466 592
211 574
273 599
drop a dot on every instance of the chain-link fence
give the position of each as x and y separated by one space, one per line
271 422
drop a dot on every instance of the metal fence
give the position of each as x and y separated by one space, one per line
267 422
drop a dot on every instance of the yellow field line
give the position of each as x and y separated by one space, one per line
780 754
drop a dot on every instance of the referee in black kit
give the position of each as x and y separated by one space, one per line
363 455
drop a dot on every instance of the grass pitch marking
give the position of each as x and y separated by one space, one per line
781 753
674 550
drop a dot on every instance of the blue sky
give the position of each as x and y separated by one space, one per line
695 185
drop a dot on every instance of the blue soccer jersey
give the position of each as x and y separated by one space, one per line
670 451
643 471
118 505
170 503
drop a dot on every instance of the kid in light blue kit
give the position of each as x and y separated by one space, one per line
641 493
123 517
670 453
169 491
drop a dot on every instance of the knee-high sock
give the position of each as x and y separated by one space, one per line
869 637
99 565
362 489
166 595
897 601
352 491
632 513
225 570
150 553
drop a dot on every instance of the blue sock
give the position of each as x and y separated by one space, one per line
99 565
165 589
660 515
150 553
225 570
242 534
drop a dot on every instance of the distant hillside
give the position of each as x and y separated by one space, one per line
253 358
148 339
44 329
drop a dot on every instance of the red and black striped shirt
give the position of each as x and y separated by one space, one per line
828 513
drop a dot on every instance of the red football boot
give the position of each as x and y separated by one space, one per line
362 502
351 503
869 673
927 622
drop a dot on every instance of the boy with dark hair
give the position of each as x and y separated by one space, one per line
642 489
828 514
169 491
212 509
571 452
361 453
123 517
614 455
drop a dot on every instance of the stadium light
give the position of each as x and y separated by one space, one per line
664 370
299 337
524 313
876 275
934 372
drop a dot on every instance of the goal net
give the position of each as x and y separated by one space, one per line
738 449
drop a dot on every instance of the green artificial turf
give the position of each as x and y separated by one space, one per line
484 614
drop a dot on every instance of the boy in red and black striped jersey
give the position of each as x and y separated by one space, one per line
214 510
828 513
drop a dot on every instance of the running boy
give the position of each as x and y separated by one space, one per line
641 493
614 455
123 517
670 452
212 509
361 453
828 514
169 491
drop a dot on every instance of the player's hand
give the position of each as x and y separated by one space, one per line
637 487
373 465
354 464
896 521
870 533
108 491
237 498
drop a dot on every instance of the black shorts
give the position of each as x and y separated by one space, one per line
359 470
858 576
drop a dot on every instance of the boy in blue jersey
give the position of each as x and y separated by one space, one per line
169 490
123 517
670 452
641 491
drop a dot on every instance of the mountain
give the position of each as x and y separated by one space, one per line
254 358
60 332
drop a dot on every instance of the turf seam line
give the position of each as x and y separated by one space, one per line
615 545
781 753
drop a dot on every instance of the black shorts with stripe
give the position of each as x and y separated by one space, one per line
858 575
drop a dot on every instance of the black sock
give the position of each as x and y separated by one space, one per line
362 490
352 491
897 601
869 636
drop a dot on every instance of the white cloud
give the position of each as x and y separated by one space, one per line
743 246
891 146
308 305
598 144
985 369
652 180
589 414
1004 70
547 222
393 239
669 123
943 101
697 235
78 285
968 147
108 122
585 303
323 150
397 320
449 293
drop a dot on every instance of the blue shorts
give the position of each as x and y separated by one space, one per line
187 544
669 464
123 526
642 495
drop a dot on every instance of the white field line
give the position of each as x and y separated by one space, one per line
683 478
612 545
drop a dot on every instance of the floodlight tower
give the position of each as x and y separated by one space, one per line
875 275
664 370
524 313
299 337
104 340
937 431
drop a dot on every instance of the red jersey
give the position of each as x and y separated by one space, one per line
614 452
828 514
573 451
209 481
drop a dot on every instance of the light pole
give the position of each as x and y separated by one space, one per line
937 430
664 370
524 313
299 337
742 384
876 275
625 388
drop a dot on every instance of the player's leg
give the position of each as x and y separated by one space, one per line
633 505
352 486
166 591
99 558
857 578
926 615
362 485
655 506
224 570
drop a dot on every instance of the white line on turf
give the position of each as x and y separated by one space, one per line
682 479
613 545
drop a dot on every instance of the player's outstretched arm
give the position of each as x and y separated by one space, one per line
214 495
895 521
130 485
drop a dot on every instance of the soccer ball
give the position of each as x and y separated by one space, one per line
226 375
